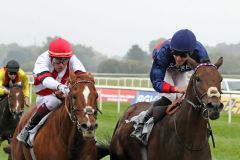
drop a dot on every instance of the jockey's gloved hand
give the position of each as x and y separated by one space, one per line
6 91
64 89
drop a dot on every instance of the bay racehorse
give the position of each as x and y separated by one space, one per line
11 109
181 136
69 132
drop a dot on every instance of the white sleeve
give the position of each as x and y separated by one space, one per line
50 83
75 64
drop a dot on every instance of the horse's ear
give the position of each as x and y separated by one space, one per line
192 63
219 62
72 76
91 77
89 74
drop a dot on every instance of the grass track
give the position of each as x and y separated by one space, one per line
227 137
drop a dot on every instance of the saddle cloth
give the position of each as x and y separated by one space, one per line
33 132
143 129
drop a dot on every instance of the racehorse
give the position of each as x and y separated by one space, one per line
69 132
11 109
182 135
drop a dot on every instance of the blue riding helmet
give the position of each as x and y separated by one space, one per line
183 41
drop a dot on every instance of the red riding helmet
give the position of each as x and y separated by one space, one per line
60 48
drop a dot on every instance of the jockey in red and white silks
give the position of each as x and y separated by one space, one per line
46 79
51 71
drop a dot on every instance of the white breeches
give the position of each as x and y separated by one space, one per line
177 79
51 101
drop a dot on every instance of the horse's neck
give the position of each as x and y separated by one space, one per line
4 108
5 115
67 127
190 123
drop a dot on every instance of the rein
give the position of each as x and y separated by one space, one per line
180 140
198 106
9 103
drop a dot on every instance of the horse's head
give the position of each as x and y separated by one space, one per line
16 100
206 88
82 103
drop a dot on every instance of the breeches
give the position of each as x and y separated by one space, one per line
51 101
177 79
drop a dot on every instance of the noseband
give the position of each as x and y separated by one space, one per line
88 110
200 105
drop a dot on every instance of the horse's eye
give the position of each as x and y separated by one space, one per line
198 79
74 96
97 96
95 113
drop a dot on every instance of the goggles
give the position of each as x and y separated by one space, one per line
12 73
181 54
60 60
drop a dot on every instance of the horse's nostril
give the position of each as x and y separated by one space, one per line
84 126
96 125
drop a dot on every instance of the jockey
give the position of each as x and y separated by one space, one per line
12 74
168 73
51 71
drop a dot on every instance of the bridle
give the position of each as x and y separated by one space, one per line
200 105
9 103
72 109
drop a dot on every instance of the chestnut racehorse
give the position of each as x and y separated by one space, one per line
69 132
181 136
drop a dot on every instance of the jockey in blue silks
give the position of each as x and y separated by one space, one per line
168 73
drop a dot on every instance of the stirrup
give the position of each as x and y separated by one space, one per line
139 129
23 135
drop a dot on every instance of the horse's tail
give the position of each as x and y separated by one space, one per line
103 149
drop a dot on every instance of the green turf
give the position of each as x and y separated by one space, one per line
227 137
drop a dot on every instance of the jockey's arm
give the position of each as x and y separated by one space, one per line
26 91
50 83
3 90
23 77
157 78
202 53
76 65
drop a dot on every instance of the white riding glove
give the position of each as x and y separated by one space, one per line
64 89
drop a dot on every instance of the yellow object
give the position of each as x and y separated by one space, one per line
21 77
234 102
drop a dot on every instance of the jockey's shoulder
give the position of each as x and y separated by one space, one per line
21 72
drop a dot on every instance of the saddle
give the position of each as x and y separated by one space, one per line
160 111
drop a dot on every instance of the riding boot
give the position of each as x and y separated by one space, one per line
163 101
40 113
